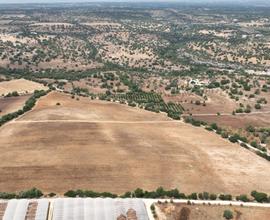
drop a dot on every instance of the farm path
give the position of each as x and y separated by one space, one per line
228 114
93 121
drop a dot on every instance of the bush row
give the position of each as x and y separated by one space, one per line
140 193
29 194
172 194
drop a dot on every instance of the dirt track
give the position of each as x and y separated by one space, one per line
57 155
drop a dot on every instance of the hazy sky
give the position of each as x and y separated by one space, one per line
208 1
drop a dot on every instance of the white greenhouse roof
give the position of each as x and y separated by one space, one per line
96 209
74 209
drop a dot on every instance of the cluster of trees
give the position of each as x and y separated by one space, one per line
29 194
88 193
150 101
243 109
133 87
80 91
260 197
262 133
12 94
195 122
29 104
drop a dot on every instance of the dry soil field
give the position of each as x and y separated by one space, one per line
205 212
22 86
106 146
12 104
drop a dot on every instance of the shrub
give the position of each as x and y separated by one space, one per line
139 193
225 197
254 144
5 195
214 126
193 196
250 128
174 115
242 198
227 214
257 106
197 102
233 138
224 134
70 193
213 197
12 94
127 195
204 195
51 194
259 196
32 193
244 145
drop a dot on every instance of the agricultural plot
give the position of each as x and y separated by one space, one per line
12 104
22 86
150 101
107 140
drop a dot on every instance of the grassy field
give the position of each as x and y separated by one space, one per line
106 146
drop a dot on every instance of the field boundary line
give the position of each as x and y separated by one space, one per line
95 121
